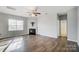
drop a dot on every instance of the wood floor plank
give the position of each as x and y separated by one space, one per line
39 43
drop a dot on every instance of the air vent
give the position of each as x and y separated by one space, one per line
11 8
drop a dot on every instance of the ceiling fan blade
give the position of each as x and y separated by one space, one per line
36 8
38 13
35 14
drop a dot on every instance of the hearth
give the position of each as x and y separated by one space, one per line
32 31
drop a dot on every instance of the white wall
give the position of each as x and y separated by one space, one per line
4 25
47 25
72 24
78 25
29 20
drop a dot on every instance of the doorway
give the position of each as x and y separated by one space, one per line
62 35
63 28
62 20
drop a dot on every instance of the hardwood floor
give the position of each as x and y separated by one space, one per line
37 43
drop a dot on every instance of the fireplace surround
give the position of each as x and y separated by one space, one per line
32 31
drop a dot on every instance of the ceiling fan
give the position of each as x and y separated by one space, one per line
34 12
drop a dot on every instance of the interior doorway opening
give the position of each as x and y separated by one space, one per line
62 30
62 20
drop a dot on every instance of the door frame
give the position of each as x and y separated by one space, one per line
59 25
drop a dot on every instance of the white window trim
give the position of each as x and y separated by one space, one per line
17 25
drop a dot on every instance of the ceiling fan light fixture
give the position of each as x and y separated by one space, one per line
33 15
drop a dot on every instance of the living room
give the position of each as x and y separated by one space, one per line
29 28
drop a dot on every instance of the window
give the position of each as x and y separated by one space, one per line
14 25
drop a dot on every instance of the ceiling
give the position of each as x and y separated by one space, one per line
22 10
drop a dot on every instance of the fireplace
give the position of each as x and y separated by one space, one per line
32 31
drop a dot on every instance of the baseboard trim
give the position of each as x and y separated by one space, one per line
47 36
12 36
71 40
